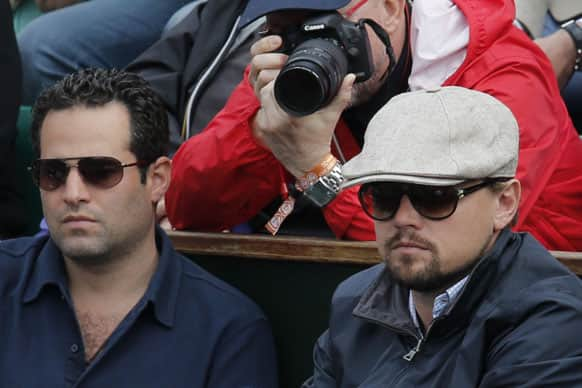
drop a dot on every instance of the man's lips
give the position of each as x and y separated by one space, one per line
407 244
77 218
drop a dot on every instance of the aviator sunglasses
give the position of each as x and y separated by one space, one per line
99 171
381 200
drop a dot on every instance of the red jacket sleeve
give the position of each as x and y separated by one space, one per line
223 177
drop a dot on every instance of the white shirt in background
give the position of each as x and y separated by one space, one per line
439 37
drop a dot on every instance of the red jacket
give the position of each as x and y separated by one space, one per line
223 177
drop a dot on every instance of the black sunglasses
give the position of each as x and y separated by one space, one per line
99 171
381 200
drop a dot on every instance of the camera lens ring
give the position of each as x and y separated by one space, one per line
311 77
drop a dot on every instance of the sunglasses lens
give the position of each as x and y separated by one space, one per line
435 203
379 201
50 173
103 172
382 200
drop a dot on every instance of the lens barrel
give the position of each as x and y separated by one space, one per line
311 77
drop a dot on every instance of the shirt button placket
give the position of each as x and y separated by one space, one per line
75 365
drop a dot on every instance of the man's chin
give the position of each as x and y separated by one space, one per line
417 270
410 262
363 92
429 279
417 282
427 286
81 248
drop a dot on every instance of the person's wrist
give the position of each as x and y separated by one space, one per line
323 186
574 29
308 178
256 127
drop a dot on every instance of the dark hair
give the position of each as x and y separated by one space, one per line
149 133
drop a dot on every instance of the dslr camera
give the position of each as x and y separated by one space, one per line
321 52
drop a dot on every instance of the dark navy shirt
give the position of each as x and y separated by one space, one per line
188 330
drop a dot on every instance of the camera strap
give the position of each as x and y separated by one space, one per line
385 38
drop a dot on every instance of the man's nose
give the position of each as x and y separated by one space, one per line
75 188
406 214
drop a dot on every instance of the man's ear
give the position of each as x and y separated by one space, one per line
159 174
393 15
507 204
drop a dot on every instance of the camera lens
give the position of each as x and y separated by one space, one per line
311 77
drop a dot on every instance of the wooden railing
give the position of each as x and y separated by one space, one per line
301 248
292 279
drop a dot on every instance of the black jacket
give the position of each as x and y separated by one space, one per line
206 52
517 323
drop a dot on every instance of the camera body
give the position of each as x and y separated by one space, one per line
321 52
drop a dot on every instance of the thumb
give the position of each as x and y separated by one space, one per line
344 96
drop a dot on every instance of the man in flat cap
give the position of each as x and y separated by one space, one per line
459 300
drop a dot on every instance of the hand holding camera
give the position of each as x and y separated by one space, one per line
266 62
321 52
299 143
303 94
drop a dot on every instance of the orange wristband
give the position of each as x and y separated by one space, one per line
321 169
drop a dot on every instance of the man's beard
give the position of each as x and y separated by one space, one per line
362 92
431 277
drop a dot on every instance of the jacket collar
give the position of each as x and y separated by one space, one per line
48 269
385 302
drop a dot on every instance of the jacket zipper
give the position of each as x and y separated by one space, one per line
410 355
412 352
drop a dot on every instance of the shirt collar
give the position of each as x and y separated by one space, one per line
164 286
441 302
162 292
45 270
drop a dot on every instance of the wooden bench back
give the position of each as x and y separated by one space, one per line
302 249
292 279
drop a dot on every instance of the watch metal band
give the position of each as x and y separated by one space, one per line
575 31
326 188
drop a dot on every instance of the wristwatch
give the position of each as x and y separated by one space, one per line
325 189
575 31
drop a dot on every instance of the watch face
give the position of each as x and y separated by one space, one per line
319 194
574 28
326 188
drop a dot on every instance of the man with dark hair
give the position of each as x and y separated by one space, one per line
459 300
257 159
105 300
